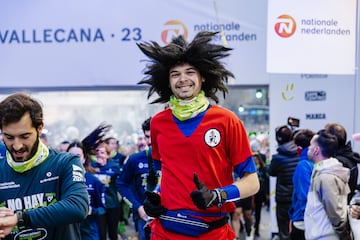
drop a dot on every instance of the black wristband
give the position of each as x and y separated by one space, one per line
23 219
20 218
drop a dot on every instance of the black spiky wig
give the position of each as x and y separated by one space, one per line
199 53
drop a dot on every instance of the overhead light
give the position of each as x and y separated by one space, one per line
259 94
241 108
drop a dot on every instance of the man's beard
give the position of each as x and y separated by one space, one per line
32 153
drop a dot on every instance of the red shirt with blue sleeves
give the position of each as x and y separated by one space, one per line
212 150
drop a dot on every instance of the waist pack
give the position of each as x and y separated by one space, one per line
177 222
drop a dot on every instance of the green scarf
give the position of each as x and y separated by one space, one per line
184 110
41 154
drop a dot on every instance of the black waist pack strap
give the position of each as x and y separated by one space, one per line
218 223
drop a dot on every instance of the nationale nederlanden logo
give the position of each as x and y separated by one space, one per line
285 26
173 28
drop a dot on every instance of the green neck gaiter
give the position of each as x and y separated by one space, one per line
184 110
41 154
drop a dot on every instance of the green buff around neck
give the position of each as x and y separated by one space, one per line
184 110
41 154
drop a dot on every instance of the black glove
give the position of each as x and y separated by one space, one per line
152 180
203 197
152 205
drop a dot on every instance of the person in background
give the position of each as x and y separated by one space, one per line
282 166
260 196
119 158
255 145
141 141
242 218
2 150
133 182
96 190
326 214
63 146
115 155
44 139
107 172
45 194
301 182
351 160
199 144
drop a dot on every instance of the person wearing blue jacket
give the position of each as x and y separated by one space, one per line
89 228
133 181
2 150
107 172
301 180
43 192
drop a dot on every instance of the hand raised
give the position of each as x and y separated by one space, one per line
203 197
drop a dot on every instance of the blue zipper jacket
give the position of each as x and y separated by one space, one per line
301 181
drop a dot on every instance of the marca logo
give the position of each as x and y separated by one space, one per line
285 26
173 29
315 96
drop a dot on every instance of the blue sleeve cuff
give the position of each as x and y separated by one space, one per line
247 166
232 192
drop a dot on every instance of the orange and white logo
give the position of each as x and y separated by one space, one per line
173 28
285 26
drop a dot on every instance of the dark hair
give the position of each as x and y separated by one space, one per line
283 134
15 106
77 143
327 142
146 125
260 159
303 137
199 53
339 132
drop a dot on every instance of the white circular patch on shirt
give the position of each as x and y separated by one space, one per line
212 137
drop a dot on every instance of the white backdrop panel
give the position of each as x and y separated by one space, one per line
93 43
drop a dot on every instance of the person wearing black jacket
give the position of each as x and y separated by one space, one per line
282 166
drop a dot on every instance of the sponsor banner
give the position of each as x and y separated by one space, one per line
311 36
313 99
93 43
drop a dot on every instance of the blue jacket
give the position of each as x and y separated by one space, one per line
108 174
2 151
301 181
132 182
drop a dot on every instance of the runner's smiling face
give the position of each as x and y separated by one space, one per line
21 138
185 81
